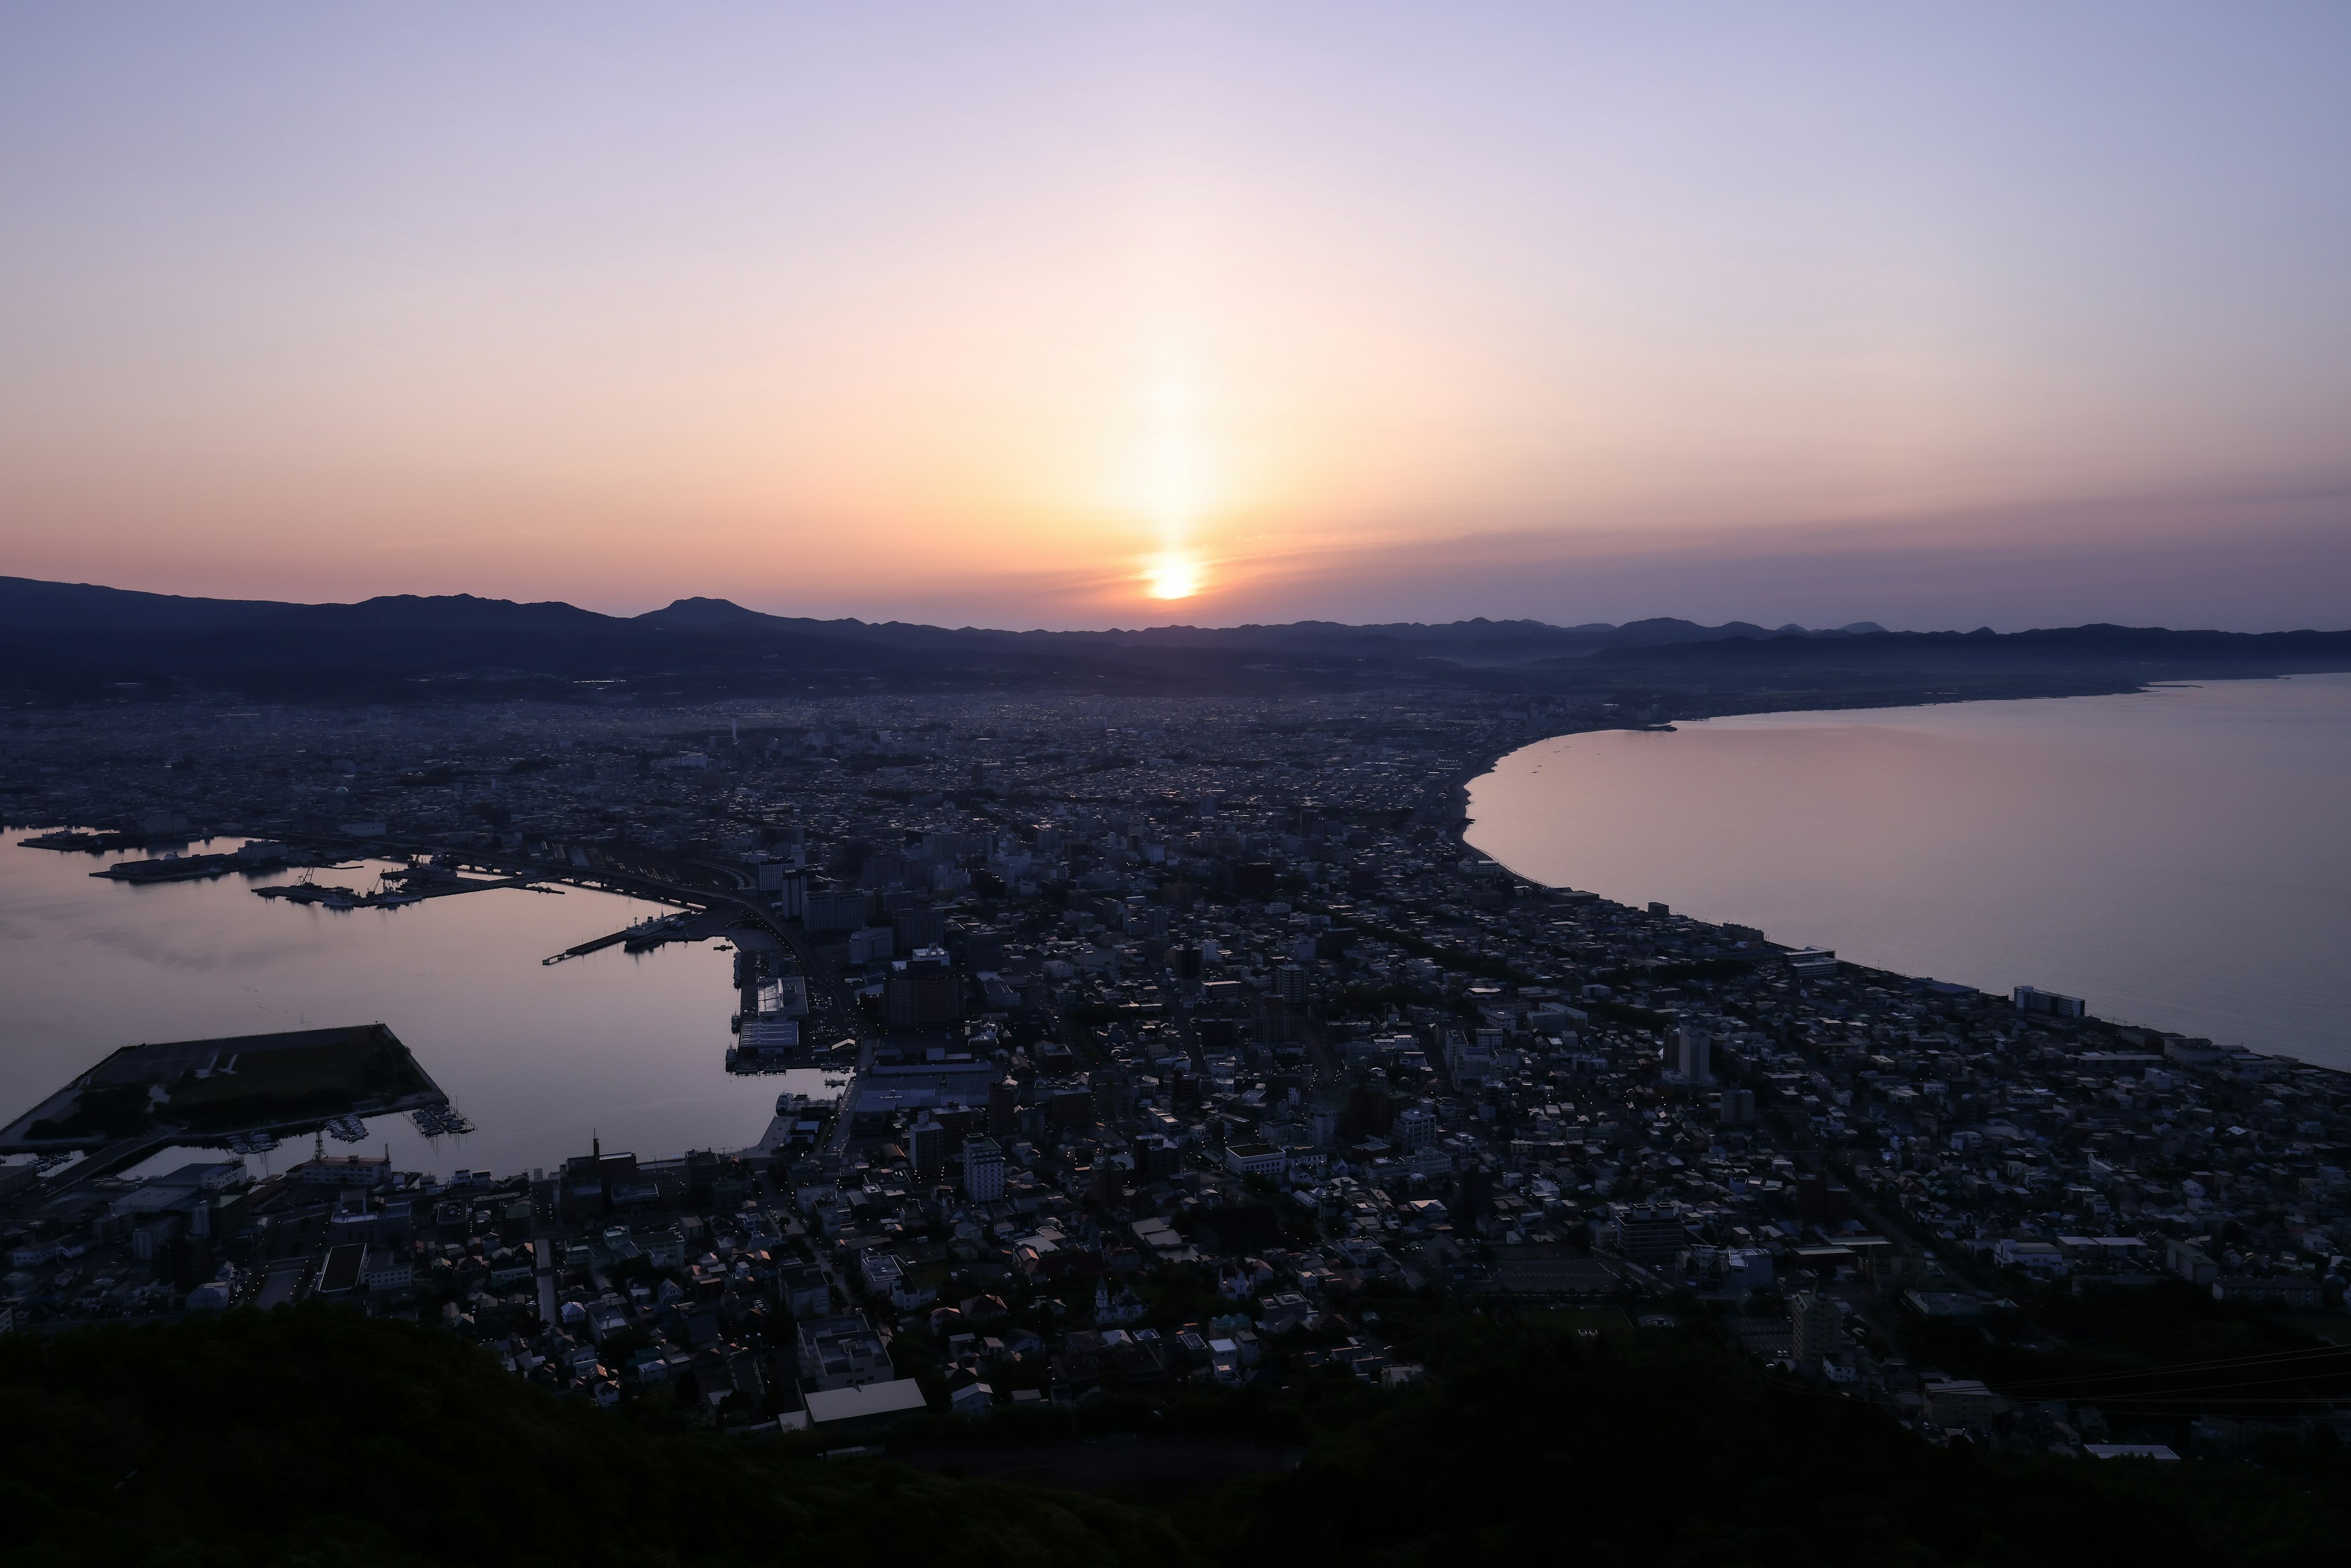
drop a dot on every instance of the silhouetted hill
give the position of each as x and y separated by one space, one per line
79 642
29 607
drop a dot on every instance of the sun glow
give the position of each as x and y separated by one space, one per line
1173 575
1173 484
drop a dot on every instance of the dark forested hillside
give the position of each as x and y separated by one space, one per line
314 1436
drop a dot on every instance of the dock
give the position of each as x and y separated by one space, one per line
352 898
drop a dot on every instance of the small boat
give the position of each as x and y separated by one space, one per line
440 1122
347 1129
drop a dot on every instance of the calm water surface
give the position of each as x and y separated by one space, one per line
628 1047
2179 858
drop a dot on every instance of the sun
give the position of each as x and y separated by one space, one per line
1173 575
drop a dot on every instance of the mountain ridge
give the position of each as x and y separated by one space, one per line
83 642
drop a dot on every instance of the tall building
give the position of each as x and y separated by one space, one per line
833 909
1695 1056
1818 1325
983 1170
923 991
914 929
927 1147
1003 1107
1156 1157
1290 983
956 1123
785 886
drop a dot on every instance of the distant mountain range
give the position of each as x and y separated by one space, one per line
77 641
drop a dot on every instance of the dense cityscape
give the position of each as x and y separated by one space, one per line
1362 786
1169 1045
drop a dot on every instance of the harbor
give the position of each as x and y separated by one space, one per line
412 884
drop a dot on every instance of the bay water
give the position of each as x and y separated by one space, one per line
626 1047
2179 857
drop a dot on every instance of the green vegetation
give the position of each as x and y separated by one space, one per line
316 1436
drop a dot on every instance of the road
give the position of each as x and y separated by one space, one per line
838 1143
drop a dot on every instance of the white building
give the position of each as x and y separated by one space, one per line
1255 1159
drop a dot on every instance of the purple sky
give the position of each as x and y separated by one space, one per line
2005 315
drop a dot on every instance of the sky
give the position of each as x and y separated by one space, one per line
1088 315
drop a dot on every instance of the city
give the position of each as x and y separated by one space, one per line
1358 786
1166 1043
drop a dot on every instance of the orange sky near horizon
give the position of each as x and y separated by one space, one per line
1054 320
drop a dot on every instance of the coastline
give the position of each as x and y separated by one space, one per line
2222 1006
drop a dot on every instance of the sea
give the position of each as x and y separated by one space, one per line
545 1060
2179 858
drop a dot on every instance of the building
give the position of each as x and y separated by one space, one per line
923 992
342 1273
342 1170
1817 1325
387 1273
858 1406
835 909
1746 1268
1414 1128
842 1352
915 929
2049 1004
1255 1159
983 1170
1290 983
2189 1261
1003 1107
785 886
1820 1201
767 1032
1960 1402
926 1148
1156 1157
1650 1237
805 1291
2033 1257
1694 1057
884 1273
2296 1293
1737 1108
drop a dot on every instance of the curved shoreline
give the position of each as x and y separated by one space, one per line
2240 913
